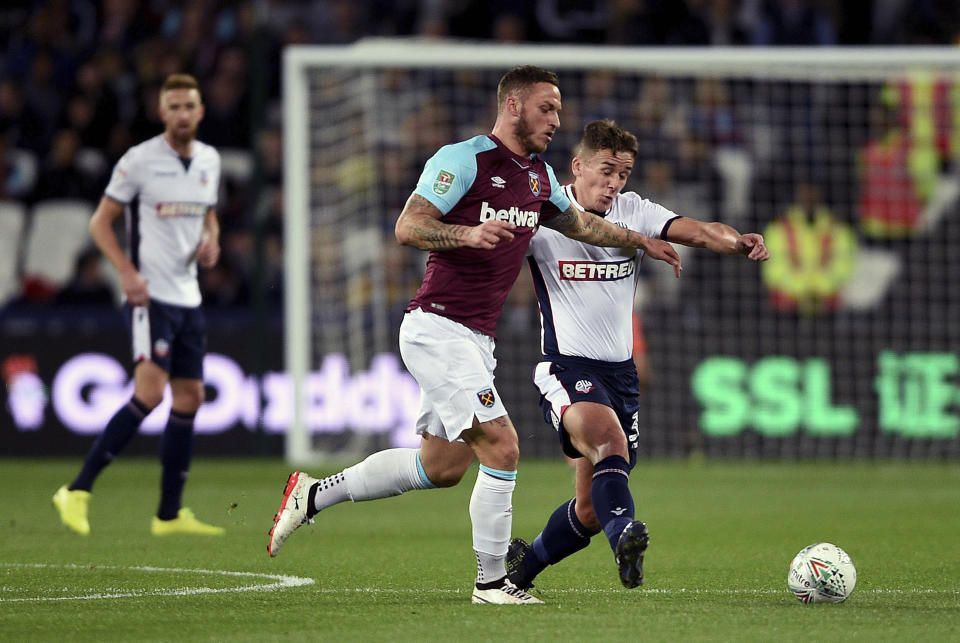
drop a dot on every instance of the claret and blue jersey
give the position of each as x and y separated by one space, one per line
472 182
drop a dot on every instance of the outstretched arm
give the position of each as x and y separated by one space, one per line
419 226
718 237
597 231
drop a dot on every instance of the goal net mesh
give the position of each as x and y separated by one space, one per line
844 344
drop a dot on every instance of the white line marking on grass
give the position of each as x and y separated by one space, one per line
280 581
680 591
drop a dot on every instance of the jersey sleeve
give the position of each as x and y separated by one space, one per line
650 219
447 176
124 183
558 200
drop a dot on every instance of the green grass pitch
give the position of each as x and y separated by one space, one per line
401 569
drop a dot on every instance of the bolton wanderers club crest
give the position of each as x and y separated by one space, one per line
161 348
584 386
486 397
534 183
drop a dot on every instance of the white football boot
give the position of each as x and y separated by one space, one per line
505 594
292 512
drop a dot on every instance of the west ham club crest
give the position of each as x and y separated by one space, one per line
534 183
486 397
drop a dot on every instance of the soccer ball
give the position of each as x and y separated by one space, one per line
822 573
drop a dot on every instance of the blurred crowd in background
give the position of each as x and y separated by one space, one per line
79 84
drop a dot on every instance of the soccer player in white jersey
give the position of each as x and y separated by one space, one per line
475 208
167 186
587 380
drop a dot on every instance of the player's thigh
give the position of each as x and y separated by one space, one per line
189 345
440 353
149 381
152 329
595 430
454 367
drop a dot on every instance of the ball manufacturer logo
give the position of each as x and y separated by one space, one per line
584 386
486 397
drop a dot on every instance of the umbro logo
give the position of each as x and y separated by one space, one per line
497 182
619 511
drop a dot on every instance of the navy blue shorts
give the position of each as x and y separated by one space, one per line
172 337
562 381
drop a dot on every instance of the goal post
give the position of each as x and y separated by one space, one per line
863 363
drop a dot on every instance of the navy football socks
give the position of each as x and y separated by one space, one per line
611 496
176 452
563 535
118 432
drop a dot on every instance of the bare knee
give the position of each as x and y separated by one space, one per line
495 443
503 454
188 395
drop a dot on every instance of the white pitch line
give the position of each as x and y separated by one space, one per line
280 582
680 591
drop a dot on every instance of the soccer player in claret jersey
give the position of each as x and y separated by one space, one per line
168 187
587 380
474 208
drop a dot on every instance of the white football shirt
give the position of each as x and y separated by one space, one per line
586 292
167 200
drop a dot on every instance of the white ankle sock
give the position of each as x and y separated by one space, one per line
384 474
491 512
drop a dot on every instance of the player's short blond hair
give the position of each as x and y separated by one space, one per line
179 81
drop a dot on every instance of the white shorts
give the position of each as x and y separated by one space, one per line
454 366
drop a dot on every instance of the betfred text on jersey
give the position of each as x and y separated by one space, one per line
182 209
596 270
516 216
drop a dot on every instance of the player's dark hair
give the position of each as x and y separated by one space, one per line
520 79
606 135
179 81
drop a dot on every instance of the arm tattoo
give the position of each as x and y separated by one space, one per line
566 221
427 231
592 229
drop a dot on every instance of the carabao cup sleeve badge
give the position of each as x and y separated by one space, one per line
441 184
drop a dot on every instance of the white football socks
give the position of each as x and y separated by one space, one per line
383 474
491 512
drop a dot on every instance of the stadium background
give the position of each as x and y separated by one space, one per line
871 370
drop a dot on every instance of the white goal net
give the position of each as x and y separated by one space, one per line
845 344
